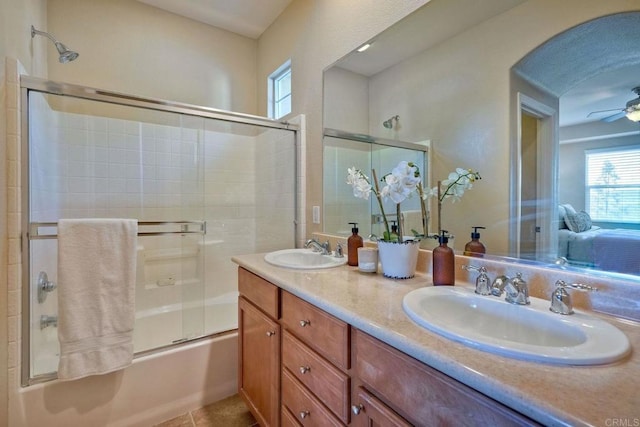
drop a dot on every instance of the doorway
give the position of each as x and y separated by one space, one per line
536 201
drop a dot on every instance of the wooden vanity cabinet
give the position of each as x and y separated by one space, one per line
300 366
259 347
420 394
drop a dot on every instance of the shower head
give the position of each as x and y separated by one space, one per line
66 54
389 123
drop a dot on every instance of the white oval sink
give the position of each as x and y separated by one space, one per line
304 259
530 332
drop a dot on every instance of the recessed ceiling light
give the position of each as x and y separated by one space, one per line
364 47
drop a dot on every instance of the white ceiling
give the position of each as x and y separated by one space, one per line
245 17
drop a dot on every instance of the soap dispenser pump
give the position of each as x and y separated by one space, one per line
475 247
443 262
353 243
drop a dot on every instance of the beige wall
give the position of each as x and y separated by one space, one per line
127 46
315 34
16 18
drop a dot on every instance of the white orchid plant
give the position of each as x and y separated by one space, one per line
454 187
403 180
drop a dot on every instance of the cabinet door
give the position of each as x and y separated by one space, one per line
259 363
369 411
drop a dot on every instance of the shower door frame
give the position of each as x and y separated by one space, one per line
28 84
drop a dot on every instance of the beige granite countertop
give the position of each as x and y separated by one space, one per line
606 395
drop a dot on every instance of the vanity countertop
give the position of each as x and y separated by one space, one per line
605 395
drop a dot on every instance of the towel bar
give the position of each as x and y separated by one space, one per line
185 227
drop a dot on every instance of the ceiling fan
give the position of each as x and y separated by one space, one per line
630 111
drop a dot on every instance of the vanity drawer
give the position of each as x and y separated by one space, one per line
260 292
419 392
303 406
287 419
328 383
319 330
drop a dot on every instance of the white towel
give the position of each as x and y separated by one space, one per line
96 295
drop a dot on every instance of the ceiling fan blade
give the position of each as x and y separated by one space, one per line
615 117
604 111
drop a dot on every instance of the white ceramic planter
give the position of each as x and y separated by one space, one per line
398 260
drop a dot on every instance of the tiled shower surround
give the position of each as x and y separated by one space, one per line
90 160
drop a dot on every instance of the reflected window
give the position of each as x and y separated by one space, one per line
613 184
280 91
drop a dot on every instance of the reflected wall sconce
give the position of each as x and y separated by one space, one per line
389 123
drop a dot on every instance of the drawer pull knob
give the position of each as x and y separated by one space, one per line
270 333
304 414
356 409
304 369
304 323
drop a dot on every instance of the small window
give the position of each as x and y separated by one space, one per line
613 184
280 91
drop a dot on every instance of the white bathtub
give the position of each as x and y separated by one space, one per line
155 388
161 326
154 328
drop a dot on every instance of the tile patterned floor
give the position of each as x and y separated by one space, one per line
229 412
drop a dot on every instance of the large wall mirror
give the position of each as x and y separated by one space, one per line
538 96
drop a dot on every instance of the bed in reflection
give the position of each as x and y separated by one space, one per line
586 245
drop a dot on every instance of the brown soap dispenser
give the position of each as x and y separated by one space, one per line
443 263
353 243
475 247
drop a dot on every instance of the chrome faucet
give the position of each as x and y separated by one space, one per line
516 289
560 298
482 282
322 248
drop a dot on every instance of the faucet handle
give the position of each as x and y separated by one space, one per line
482 281
339 251
560 298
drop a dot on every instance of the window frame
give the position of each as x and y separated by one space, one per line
588 187
274 107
